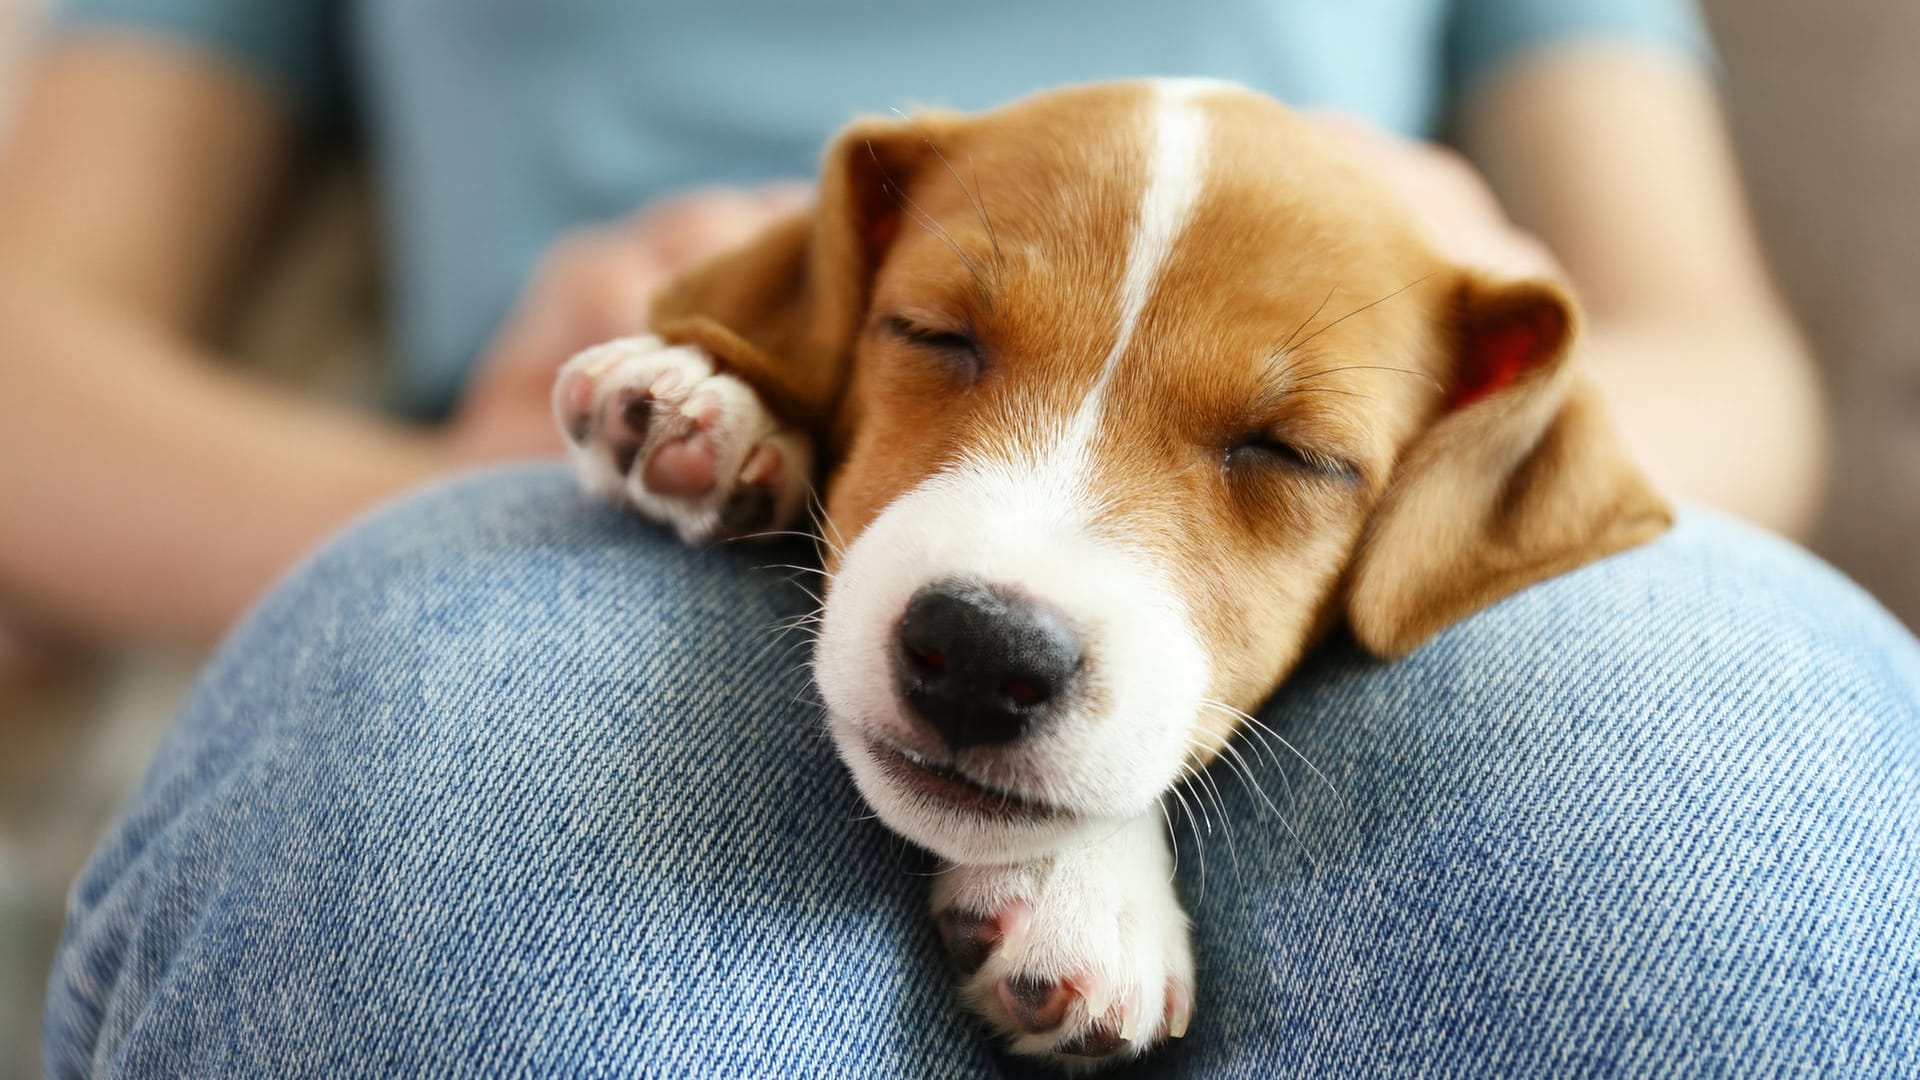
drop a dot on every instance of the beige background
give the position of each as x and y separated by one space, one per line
1825 99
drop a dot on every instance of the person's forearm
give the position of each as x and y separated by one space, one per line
146 491
1733 419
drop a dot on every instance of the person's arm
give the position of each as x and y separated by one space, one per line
144 488
1618 157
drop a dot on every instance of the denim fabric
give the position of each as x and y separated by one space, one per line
503 783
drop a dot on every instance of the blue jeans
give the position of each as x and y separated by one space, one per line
504 783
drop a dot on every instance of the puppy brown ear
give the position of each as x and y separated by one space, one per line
1521 478
784 310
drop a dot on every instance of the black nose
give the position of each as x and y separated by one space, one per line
981 665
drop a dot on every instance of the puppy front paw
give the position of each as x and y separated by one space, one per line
659 428
1077 959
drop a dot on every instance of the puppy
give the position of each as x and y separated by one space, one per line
1125 396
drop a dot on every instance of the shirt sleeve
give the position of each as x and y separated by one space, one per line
287 44
1485 35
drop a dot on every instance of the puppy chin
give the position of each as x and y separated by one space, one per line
953 833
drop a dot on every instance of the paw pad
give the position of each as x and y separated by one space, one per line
1037 1006
660 429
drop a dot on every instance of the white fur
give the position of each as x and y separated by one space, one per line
1104 915
632 365
1176 172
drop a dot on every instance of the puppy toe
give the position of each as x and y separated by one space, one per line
1179 1009
686 467
574 397
763 466
1036 1006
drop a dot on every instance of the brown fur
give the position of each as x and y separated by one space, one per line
1448 508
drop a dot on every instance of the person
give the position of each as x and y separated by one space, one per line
155 136
500 782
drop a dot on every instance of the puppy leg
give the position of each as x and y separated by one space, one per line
658 428
1082 956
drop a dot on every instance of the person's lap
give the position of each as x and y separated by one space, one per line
504 782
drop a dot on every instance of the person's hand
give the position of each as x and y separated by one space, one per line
1449 197
592 286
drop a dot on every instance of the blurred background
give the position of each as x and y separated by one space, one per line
1822 98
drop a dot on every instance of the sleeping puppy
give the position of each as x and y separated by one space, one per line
1125 396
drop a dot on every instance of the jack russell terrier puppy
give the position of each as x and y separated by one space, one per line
1125 395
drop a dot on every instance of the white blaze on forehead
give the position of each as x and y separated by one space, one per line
1175 171
1025 515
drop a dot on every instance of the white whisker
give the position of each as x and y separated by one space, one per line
1199 845
797 568
1173 838
1190 774
1237 765
824 527
1205 786
1255 724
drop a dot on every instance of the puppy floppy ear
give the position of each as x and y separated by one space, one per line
1519 479
783 311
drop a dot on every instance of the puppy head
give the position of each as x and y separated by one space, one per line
1134 391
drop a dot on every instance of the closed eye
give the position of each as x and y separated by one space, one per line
1265 451
959 350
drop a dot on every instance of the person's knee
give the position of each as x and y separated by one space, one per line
509 601
1716 632
513 565
480 723
525 537
1683 779
1712 679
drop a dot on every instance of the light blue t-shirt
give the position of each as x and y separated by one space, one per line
495 125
